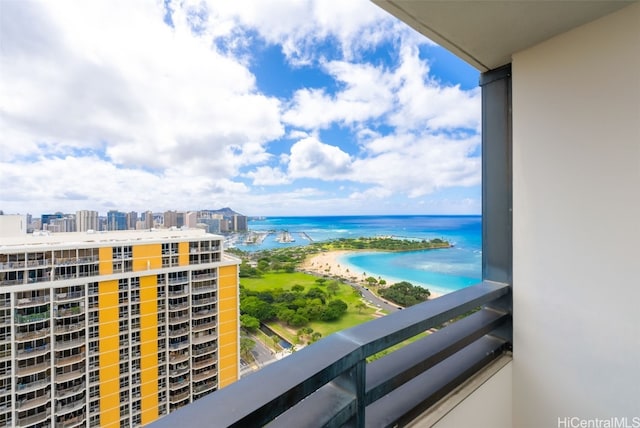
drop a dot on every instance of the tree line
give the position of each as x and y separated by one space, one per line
294 307
405 294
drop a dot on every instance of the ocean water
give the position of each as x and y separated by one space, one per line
442 270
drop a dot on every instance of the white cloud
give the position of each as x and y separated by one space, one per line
366 94
373 193
268 176
423 102
407 96
299 25
312 159
112 73
105 106
417 165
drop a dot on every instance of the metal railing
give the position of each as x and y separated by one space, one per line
330 383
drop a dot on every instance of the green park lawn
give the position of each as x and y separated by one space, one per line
352 317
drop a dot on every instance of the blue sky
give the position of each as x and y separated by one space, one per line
272 108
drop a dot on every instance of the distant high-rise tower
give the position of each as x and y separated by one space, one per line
132 218
147 220
46 218
86 220
191 219
240 223
65 224
170 219
116 220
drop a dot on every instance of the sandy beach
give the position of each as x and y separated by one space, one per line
328 263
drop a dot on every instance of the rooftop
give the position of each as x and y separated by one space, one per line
44 239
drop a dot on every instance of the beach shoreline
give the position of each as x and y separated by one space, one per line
331 263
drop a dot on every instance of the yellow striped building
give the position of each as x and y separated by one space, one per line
114 329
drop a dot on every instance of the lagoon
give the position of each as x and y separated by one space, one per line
441 270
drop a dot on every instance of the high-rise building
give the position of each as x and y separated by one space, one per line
147 220
191 219
114 329
240 223
212 224
86 220
46 218
116 220
65 224
170 219
180 218
132 218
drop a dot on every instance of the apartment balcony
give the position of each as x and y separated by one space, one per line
178 306
27 302
12 265
179 345
204 337
74 373
203 362
5 303
201 288
204 276
29 335
70 422
29 352
39 263
203 301
30 369
205 386
31 318
62 392
178 293
177 357
68 312
16 281
180 382
203 313
179 370
69 328
66 297
25 387
331 383
5 390
64 344
63 276
179 280
179 396
179 332
70 405
204 325
33 418
202 375
24 403
204 350
71 359
179 319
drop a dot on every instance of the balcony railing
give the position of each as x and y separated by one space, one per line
30 318
331 384
34 418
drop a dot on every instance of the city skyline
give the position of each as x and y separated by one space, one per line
287 108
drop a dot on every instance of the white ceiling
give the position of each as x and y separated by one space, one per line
486 33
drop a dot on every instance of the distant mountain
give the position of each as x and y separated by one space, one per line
225 212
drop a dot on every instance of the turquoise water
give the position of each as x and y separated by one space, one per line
442 270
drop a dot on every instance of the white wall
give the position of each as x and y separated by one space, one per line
12 225
488 407
576 162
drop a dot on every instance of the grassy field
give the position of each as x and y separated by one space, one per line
354 316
